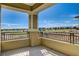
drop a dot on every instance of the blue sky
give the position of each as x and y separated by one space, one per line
13 19
55 16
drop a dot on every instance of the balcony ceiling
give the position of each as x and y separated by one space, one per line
30 4
27 7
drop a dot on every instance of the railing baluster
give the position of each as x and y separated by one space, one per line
63 36
12 35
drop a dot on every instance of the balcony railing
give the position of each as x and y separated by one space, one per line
63 36
13 35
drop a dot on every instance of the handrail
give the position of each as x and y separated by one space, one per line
13 35
63 36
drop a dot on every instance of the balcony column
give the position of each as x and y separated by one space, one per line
33 30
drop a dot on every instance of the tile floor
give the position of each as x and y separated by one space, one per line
32 51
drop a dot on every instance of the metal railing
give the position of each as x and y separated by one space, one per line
62 36
13 35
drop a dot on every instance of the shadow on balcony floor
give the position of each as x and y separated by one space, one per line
32 51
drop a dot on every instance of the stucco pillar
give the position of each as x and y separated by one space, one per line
33 30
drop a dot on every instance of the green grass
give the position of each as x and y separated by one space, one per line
60 30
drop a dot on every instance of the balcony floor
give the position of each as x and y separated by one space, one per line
32 51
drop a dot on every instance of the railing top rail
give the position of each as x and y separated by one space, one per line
62 33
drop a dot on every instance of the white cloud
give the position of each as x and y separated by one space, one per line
10 26
68 21
58 24
73 15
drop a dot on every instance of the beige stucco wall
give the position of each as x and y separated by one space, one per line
0 30
66 48
34 39
0 43
13 44
0 47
